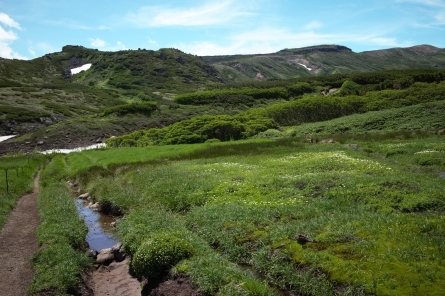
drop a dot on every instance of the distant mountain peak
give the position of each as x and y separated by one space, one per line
312 49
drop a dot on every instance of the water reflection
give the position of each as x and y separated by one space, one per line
99 230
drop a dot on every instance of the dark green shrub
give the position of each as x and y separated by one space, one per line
144 108
300 89
20 114
158 254
349 88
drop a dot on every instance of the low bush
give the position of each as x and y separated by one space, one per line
227 95
158 254
144 108
20 114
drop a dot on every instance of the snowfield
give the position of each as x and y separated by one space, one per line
4 138
79 149
80 69
307 68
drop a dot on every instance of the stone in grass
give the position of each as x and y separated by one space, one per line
105 256
108 255
84 196
118 253
92 253
95 206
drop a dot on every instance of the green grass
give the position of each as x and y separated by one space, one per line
375 210
17 173
61 237
426 117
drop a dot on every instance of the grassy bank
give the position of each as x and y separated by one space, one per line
61 236
16 179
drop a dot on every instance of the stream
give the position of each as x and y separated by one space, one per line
99 234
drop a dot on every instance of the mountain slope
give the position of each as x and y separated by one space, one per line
322 60
122 69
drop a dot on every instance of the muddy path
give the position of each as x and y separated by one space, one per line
18 243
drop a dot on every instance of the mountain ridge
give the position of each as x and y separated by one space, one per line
324 60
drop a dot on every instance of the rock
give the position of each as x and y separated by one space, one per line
46 120
353 146
105 256
40 143
95 206
84 196
328 141
92 253
118 253
302 239
114 224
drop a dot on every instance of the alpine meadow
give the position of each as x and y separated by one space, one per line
309 171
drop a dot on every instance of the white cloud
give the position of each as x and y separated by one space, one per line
206 48
97 42
120 46
153 43
269 40
7 37
212 13
8 21
106 46
434 8
39 48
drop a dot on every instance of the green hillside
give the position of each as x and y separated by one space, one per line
322 60
214 171
40 96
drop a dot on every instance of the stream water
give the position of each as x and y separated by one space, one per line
99 229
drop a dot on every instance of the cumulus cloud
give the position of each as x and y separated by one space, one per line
8 36
96 42
211 13
8 21
106 46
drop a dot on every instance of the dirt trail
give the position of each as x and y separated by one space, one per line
18 243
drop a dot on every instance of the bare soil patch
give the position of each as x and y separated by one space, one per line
114 279
178 286
18 243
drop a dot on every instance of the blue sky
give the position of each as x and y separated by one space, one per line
32 28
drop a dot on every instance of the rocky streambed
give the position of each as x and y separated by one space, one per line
111 273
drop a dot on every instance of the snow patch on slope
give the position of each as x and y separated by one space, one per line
307 68
4 138
79 149
80 69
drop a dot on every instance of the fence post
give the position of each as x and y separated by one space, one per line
7 183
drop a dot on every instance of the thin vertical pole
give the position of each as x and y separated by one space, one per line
7 183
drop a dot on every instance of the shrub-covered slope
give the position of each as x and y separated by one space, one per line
325 59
